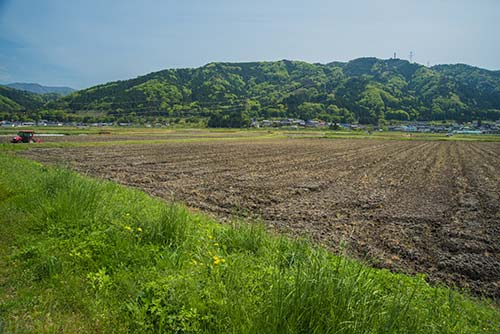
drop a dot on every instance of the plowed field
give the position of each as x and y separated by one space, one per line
416 206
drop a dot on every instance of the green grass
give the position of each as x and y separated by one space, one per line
115 130
78 255
131 141
160 134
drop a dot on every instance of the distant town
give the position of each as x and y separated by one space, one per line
476 127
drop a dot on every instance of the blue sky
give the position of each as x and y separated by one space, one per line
83 43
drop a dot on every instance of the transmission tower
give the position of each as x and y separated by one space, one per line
411 56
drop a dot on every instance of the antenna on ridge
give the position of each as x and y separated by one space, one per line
411 56
428 64
395 55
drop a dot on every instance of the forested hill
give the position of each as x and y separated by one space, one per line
366 90
18 100
14 100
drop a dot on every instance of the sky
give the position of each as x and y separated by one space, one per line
81 43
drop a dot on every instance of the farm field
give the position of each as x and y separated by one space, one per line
427 207
74 135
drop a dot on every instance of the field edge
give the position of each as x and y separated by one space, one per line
83 254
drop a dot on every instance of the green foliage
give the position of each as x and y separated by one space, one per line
400 115
309 110
170 229
368 89
339 115
15 100
86 256
231 119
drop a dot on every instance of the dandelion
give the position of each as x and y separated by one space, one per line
210 237
216 244
139 229
127 214
218 260
128 228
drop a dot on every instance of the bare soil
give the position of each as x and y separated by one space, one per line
413 206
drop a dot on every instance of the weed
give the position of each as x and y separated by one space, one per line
81 255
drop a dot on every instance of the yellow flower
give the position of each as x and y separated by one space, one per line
139 229
127 214
210 237
128 228
194 262
216 244
218 260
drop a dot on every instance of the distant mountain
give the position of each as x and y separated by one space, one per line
39 89
366 90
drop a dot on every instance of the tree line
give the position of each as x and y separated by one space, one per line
365 90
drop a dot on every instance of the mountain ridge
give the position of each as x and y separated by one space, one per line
41 89
366 90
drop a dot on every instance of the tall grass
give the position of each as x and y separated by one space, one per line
79 255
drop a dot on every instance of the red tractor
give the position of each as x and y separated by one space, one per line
25 136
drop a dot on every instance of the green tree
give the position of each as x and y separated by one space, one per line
399 115
310 110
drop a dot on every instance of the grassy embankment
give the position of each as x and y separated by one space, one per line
79 255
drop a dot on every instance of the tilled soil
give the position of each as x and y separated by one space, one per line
412 206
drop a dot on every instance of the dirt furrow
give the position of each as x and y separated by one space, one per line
413 206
